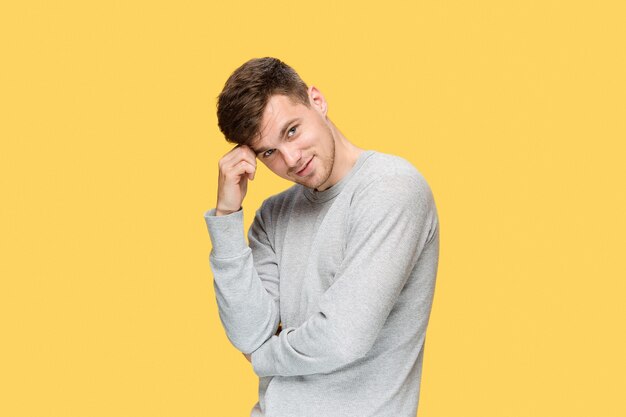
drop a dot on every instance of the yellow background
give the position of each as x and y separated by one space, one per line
514 112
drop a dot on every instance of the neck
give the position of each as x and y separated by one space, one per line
346 155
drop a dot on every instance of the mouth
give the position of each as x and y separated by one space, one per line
304 168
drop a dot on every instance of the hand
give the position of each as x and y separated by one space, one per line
235 169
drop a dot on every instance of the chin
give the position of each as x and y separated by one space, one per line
307 182
320 183
314 181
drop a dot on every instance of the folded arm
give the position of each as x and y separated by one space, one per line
246 289
390 223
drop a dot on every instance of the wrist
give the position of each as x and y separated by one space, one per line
227 234
220 212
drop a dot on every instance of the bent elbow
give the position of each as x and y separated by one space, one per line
245 345
249 341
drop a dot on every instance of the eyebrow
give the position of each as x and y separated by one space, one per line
282 133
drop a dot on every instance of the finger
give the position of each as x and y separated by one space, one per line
243 168
248 150
245 150
252 174
231 162
238 154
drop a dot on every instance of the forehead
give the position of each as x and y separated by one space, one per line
279 110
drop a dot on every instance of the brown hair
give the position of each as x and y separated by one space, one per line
242 101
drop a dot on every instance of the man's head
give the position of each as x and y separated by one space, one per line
269 109
247 91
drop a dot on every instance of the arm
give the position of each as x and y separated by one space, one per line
249 357
246 288
390 223
245 280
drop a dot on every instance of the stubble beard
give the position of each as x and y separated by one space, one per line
325 169
331 163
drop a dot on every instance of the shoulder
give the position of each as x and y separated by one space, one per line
392 190
393 178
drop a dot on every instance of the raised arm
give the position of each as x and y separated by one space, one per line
246 286
391 221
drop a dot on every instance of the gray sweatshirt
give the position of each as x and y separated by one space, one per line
349 272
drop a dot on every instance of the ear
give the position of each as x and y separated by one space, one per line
317 100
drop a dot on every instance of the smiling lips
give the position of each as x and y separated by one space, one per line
304 168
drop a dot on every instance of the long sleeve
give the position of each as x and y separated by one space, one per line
390 222
246 286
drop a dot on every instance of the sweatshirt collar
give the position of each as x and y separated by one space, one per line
332 192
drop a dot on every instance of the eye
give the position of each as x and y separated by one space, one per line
292 131
268 153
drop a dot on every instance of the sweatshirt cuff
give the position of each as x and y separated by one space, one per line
226 232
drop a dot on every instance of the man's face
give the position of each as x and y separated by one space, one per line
296 142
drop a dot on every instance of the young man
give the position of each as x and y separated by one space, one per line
343 262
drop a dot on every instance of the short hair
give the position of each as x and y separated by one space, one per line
241 103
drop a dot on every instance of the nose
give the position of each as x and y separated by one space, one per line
291 155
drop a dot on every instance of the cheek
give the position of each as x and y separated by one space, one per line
308 141
277 166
